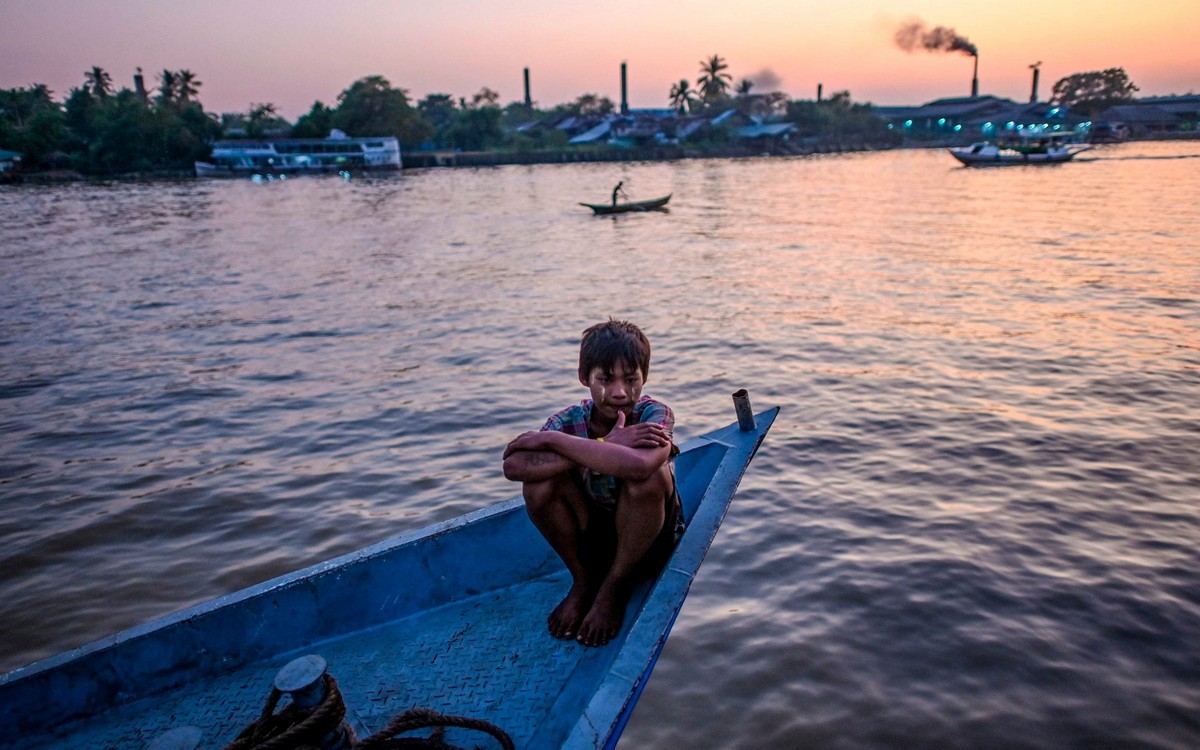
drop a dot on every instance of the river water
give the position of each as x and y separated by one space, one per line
975 524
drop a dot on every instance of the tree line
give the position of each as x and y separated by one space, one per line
99 130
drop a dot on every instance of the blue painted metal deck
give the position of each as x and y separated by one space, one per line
451 618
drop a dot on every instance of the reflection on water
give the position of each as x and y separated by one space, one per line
974 525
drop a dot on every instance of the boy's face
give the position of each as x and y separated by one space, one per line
615 391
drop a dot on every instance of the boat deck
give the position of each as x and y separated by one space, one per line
450 618
454 659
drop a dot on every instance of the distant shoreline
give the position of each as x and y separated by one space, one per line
415 160
431 159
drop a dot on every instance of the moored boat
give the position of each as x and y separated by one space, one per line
336 153
450 618
654 204
1035 149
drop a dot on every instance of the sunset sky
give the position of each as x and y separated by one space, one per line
296 52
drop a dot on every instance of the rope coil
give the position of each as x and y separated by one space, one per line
308 728
421 718
292 728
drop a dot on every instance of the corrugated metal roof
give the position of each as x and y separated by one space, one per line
593 135
773 130
1139 113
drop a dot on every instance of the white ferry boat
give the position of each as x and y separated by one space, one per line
1030 148
336 153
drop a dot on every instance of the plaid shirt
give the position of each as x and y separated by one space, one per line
573 420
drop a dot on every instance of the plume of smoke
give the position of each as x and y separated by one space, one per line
914 35
766 81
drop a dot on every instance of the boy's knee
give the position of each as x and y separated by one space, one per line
651 489
540 494
536 493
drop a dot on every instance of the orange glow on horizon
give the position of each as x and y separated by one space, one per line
293 54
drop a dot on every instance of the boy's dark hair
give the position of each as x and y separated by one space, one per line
606 344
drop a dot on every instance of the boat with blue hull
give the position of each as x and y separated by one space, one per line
451 619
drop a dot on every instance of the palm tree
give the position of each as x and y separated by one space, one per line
99 81
258 117
485 97
168 86
743 87
40 92
682 96
188 86
713 81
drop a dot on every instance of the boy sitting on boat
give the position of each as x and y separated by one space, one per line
599 483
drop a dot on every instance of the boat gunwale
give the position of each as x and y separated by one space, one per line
97 666
658 614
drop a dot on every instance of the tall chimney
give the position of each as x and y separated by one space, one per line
820 86
139 84
1036 71
975 79
624 92
528 99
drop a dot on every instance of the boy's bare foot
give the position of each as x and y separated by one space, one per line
604 619
565 618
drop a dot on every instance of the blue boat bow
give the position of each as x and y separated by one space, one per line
451 617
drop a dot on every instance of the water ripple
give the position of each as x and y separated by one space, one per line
974 525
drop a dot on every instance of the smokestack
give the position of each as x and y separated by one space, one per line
1036 71
624 92
139 84
819 87
528 100
914 35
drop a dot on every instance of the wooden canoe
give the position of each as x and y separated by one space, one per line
451 618
654 204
